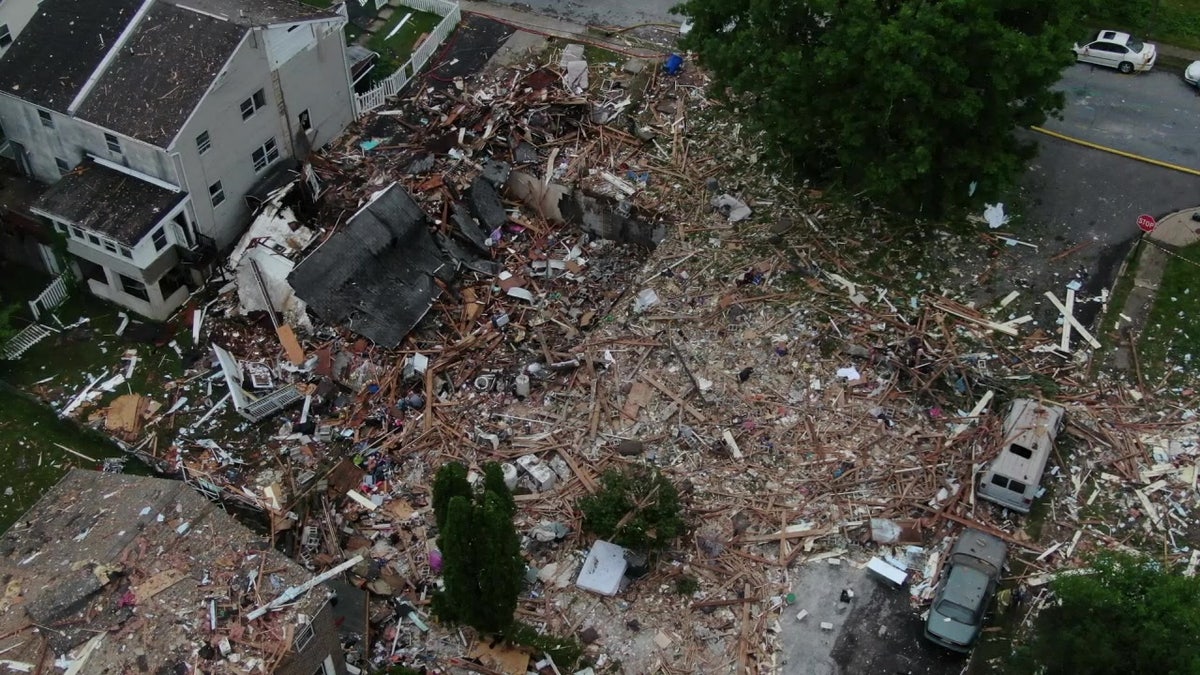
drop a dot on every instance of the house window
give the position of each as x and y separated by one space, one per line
265 155
47 120
305 121
113 143
160 239
63 167
62 227
303 637
125 252
5 36
134 287
252 104
110 246
203 142
93 239
216 193
77 232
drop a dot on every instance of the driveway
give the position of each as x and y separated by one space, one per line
876 631
1153 114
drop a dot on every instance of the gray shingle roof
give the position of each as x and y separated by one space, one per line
109 202
61 46
257 12
375 276
150 89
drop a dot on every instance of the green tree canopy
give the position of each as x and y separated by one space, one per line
482 567
450 482
1129 616
906 102
636 508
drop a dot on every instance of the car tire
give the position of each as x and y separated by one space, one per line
1125 67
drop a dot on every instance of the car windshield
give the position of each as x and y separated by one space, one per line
956 612
1134 44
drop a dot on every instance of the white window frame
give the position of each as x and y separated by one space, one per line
252 105
113 143
269 152
6 37
46 118
217 196
203 142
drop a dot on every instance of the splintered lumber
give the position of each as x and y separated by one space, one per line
1069 316
973 415
962 312
789 532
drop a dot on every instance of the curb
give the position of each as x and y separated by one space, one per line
1114 151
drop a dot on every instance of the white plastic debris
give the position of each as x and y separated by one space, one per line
851 373
994 215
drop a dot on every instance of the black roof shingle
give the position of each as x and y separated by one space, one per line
107 201
168 78
375 276
60 48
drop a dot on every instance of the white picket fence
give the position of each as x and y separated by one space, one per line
54 295
451 14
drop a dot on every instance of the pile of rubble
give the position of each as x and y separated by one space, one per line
549 268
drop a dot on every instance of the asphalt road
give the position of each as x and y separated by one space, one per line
1153 114
605 12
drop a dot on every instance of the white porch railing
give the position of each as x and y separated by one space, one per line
52 297
391 85
21 342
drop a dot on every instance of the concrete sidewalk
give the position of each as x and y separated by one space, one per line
1173 233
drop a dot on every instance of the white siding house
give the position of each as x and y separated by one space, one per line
155 119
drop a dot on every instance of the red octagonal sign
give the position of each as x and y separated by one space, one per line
1146 223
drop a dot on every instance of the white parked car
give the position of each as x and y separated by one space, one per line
1118 50
1192 74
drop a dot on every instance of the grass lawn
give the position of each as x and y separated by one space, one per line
32 461
1172 22
395 52
1171 337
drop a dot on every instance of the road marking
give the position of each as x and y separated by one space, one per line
1114 151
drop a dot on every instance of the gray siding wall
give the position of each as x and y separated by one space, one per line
325 643
315 79
71 139
233 140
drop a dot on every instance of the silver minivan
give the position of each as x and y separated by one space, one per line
1013 477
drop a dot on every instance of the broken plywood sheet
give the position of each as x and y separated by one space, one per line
125 414
500 657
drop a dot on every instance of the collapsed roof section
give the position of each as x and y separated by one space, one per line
377 275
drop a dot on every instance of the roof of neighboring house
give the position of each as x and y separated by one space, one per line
123 569
61 47
170 79
108 201
375 276
162 71
257 12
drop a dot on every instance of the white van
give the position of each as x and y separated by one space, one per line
1012 479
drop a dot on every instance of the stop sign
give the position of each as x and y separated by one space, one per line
1146 223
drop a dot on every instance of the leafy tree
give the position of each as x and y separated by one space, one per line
1129 616
637 508
909 103
501 569
450 482
482 566
7 330
493 482
458 544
